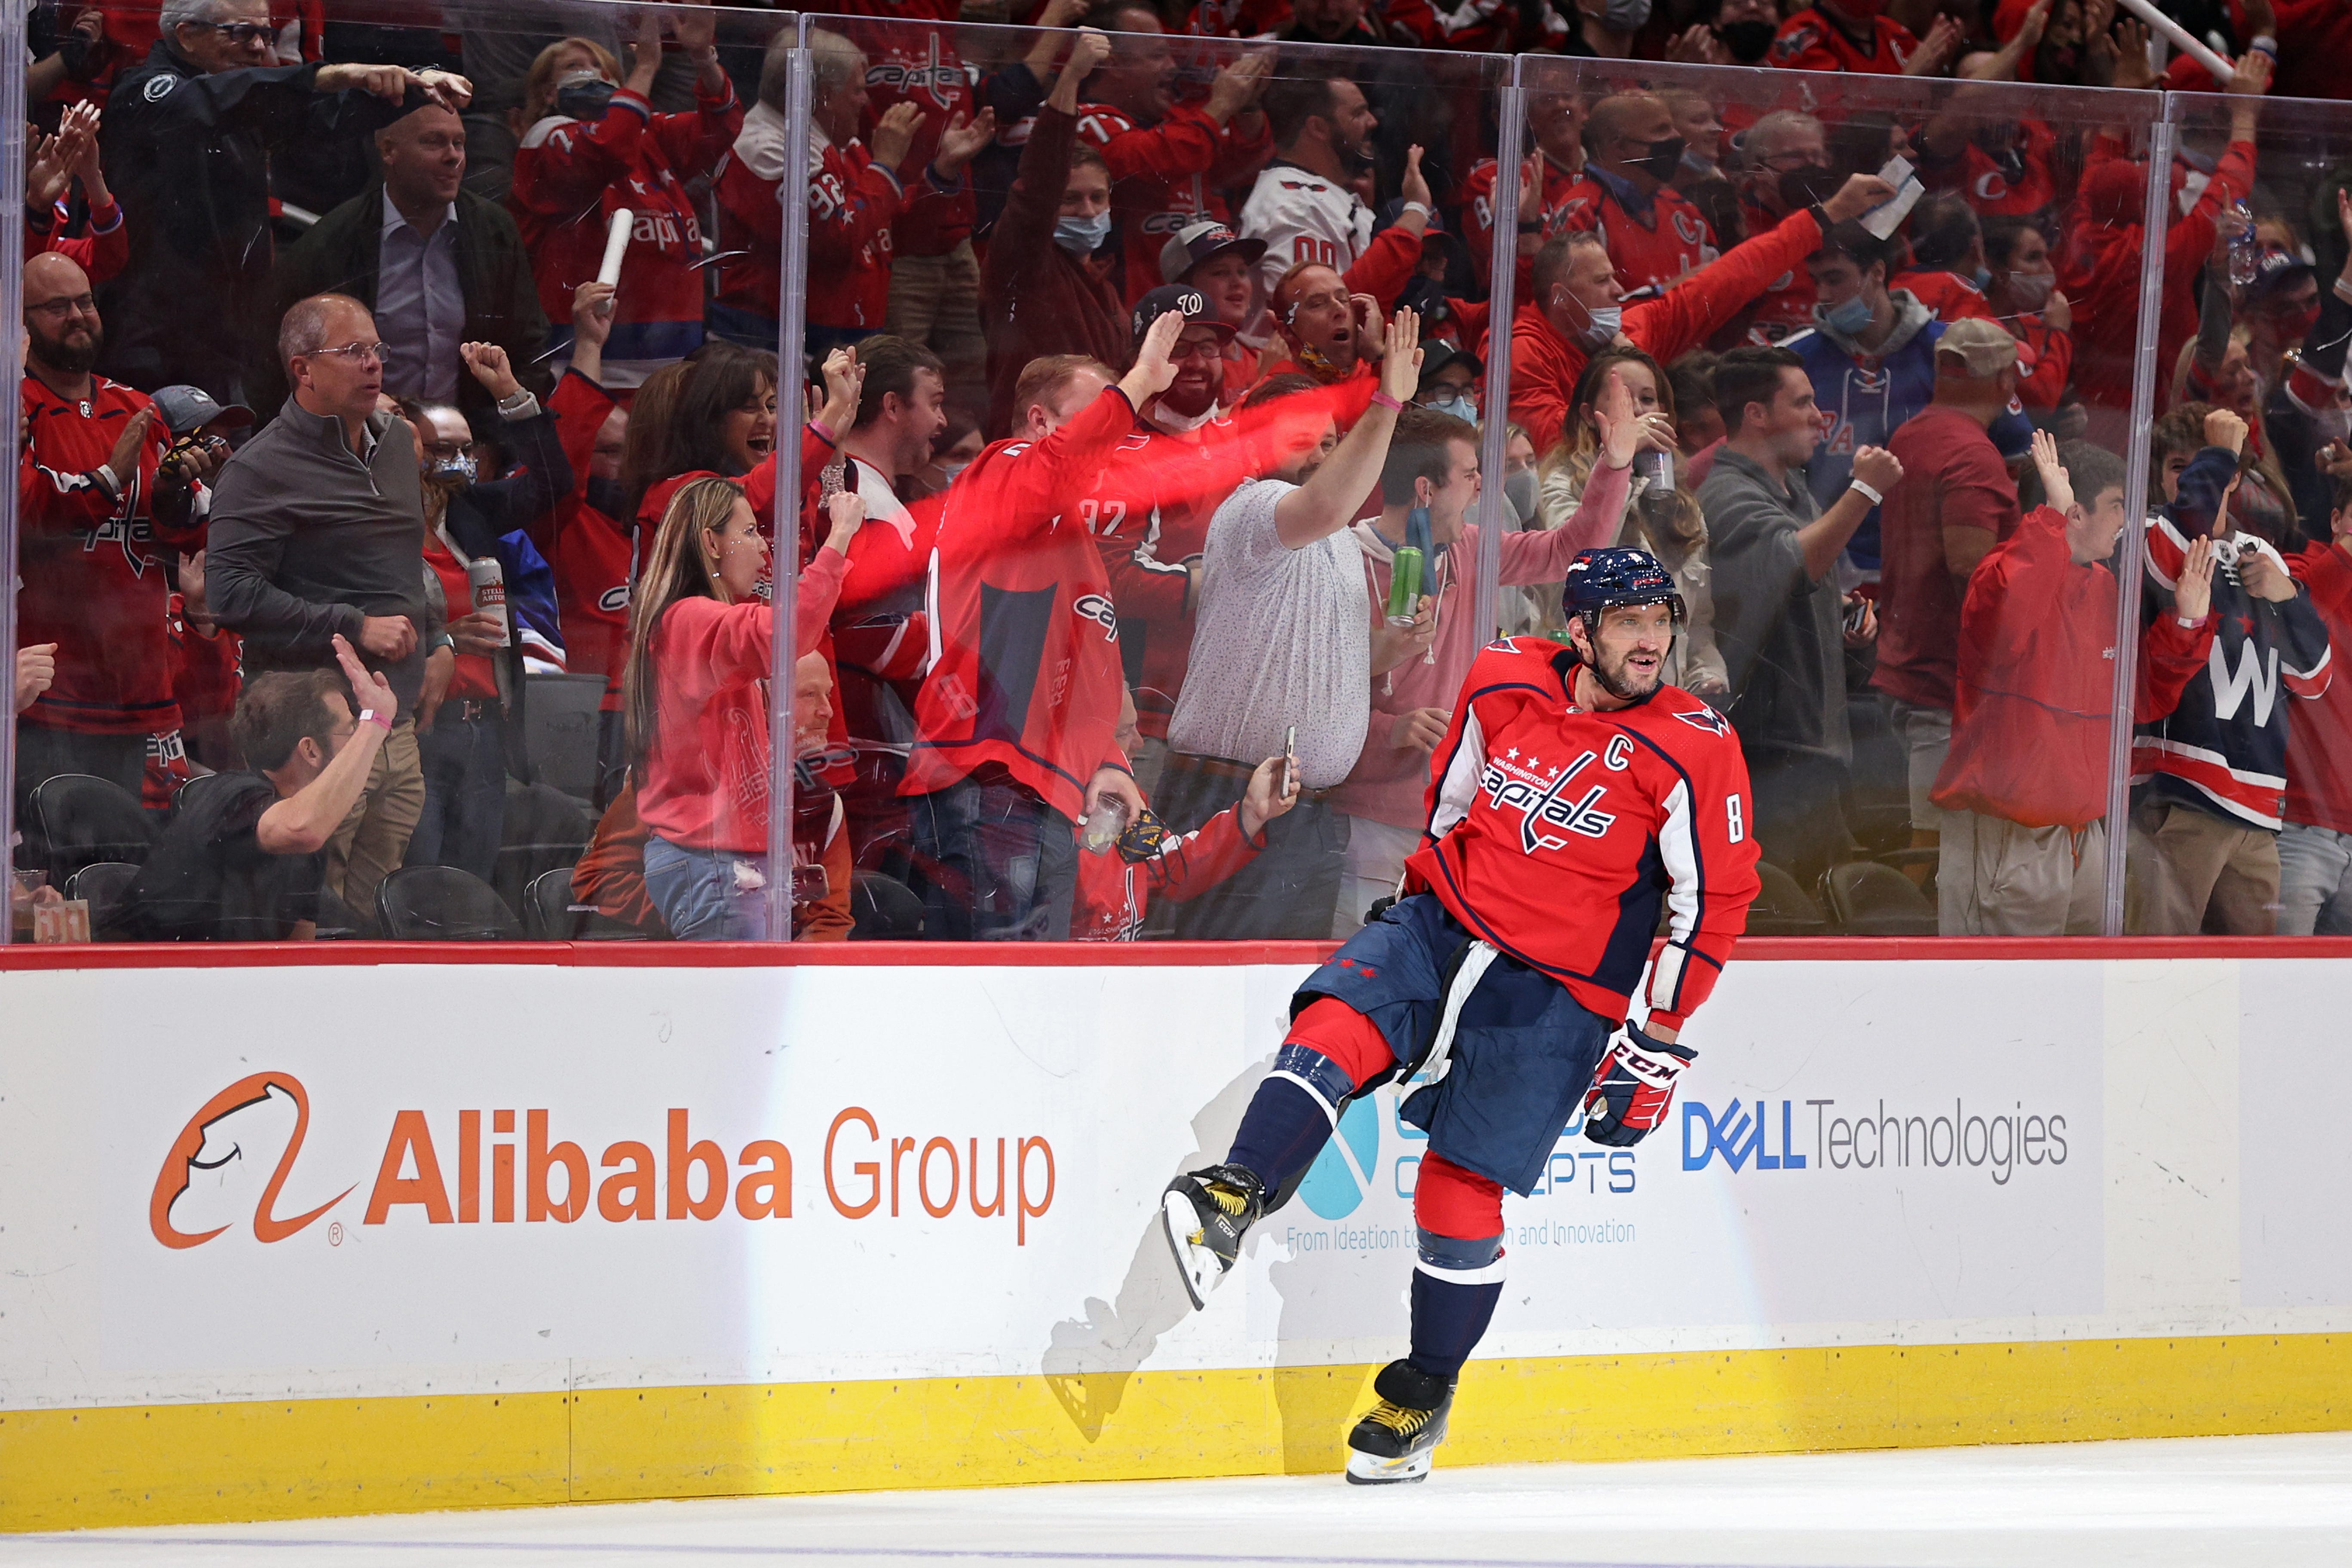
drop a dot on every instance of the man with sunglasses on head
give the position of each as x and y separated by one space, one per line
190 132
317 532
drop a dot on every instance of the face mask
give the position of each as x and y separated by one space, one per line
1862 10
1665 155
1746 40
1606 320
607 497
457 469
1520 490
1626 16
2031 289
1801 188
583 94
1848 318
1082 235
947 471
1982 278
2294 326
1459 407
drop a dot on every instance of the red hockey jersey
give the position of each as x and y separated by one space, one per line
1024 667
1480 208
1114 893
570 177
1811 41
93 560
1558 835
591 553
1167 176
1650 249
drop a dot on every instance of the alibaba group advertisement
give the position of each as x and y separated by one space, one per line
558 1178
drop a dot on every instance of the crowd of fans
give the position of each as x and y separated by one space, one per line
384 381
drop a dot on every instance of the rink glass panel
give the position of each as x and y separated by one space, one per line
556 566
2003 171
1120 553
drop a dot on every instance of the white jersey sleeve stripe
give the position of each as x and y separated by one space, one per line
1459 786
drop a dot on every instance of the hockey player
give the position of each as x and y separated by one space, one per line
1574 796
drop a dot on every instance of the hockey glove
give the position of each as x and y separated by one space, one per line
1632 1088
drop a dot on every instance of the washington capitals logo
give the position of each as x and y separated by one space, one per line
1706 719
1540 797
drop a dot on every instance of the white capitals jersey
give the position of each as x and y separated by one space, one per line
1302 216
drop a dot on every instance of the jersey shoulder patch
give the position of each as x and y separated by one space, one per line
158 86
1699 716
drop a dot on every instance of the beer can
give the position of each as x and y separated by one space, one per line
488 580
1404 583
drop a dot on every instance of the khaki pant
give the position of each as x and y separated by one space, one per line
373 838
1999 877
2191 872
1926 737
935 302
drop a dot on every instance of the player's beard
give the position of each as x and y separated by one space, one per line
1621 682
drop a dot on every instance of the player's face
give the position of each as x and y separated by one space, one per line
1224 282
1629 660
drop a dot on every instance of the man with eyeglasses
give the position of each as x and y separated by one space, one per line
189 133
101 510
317 532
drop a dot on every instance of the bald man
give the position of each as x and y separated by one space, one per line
437 264
101 515
1652 233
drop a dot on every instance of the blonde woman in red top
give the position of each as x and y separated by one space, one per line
694 693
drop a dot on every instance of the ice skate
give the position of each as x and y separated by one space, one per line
1397 1438
1206 1214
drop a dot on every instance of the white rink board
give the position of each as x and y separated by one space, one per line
2048 1111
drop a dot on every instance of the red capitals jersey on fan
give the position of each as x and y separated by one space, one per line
592 555
852 201
1167 175
570 177
1478 209
2015 182
1558 835
1811 41
93 564
1785 308
1648 253
1024 669
1149 514
918 65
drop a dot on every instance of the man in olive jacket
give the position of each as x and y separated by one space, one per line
437 264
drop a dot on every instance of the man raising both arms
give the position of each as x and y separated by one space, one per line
1574 795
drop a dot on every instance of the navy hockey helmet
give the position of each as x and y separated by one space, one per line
1601 580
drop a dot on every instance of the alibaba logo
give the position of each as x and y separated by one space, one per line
212 1163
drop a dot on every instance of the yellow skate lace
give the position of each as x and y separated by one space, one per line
1404 1422
1232 1200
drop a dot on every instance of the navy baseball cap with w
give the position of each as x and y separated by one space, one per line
1196 243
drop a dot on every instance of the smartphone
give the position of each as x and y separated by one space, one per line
1854 612
1289 761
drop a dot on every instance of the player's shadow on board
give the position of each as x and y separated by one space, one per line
1091 1361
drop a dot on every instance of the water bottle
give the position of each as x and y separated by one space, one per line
2245 259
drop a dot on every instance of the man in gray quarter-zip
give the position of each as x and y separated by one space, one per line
318 529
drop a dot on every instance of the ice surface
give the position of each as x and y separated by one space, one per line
2220 1502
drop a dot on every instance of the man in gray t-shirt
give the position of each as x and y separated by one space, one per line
1778 614
1282 638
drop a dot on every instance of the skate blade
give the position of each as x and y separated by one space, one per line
1371 1471
1196 1264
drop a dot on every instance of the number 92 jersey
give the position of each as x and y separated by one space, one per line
1558 834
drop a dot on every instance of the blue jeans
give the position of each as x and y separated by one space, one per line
708 895
464 767
993 862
